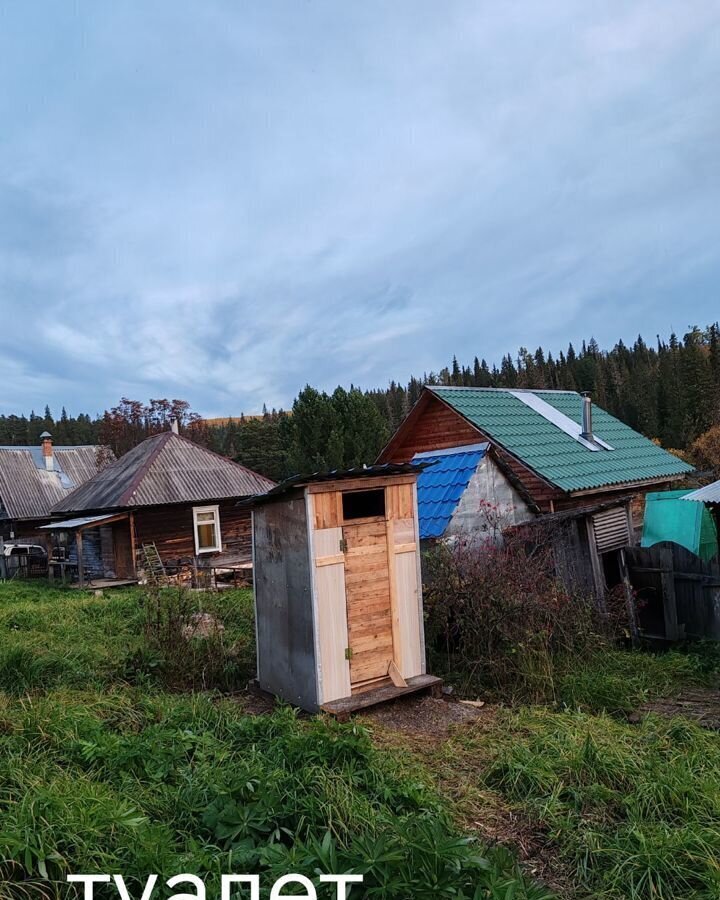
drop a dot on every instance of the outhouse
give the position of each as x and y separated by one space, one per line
338 599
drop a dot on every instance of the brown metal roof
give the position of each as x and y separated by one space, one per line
165 468
29 491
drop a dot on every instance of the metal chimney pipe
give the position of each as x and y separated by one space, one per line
174 427
587 429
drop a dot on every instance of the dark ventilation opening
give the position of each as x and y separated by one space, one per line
363 504
611 568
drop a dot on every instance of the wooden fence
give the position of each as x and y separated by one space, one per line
678 593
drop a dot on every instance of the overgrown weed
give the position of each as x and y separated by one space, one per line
102 769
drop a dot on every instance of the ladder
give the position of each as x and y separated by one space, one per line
153 565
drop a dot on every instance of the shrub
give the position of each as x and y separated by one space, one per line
499 617
187 644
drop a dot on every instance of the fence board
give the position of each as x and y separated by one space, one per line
667 571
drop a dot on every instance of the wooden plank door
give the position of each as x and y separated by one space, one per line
367 591
122 548
333 667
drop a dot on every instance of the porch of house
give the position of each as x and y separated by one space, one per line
92 551
102 551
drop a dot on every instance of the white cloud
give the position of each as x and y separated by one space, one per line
224 203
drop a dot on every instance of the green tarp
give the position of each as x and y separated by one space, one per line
668 518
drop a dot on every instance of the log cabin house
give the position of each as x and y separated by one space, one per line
338 598
167 499
507 457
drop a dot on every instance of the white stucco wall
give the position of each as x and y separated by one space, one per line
490 504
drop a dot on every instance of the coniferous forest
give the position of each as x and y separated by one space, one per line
668 389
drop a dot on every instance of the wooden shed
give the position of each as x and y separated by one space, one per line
338 596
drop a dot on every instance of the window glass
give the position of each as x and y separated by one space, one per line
206 535
207 529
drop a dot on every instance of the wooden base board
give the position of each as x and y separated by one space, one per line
343 708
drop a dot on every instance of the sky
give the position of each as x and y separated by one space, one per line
224 201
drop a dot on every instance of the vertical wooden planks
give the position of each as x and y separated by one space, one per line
598 574
399 501
332 632
404 586
404 530
668 592
327 509
367 592
330 601
395 612
408 611
327 548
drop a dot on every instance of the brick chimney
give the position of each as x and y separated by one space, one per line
47 450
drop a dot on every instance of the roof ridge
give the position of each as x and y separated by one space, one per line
464 387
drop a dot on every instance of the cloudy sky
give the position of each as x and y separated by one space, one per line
223 201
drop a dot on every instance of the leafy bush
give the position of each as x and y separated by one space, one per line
498 617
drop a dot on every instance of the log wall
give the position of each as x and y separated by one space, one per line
170 528
435 426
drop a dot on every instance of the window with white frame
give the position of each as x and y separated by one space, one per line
207 529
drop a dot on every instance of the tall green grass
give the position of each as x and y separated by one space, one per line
634 810
102 770
618 681
53 637
120 782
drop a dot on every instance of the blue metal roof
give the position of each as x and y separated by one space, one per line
442 484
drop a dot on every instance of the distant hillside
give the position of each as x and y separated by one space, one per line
220 422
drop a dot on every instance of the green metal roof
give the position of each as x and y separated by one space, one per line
551 452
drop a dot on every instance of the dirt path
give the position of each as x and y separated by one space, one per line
702 705
430 731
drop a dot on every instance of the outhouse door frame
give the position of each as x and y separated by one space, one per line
327 543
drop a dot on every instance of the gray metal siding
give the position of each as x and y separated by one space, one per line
708 494
283 603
